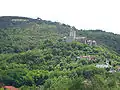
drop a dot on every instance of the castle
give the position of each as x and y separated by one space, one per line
72 37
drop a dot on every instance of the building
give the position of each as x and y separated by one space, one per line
91 58
102 66
72 37
118 68
10 88
7 87
72 34
106 65
81 39
91 42
112 70
94 43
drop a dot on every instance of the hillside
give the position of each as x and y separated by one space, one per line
108 39
23 26
12 21
33 55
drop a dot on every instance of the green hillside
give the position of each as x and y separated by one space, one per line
33 55
33 30
108 39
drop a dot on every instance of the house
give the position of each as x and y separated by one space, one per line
92 58
102 66
112 70
7 87
94 43
87 57
91 42
10 88
118 69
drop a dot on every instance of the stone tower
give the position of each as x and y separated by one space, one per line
72 34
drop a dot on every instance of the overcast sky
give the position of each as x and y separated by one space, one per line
83 14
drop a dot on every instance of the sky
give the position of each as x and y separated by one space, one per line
83 14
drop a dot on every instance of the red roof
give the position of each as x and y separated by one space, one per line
10 88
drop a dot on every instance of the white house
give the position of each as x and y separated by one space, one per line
102 66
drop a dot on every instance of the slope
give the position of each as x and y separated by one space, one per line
54 60
15 30
32 53
108 39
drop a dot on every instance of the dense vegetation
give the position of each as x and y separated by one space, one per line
108 39
34 55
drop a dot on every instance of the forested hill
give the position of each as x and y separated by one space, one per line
23 26
108 39
34 54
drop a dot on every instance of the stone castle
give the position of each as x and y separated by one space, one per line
72 37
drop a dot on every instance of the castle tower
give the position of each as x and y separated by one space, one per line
72 36
72 33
